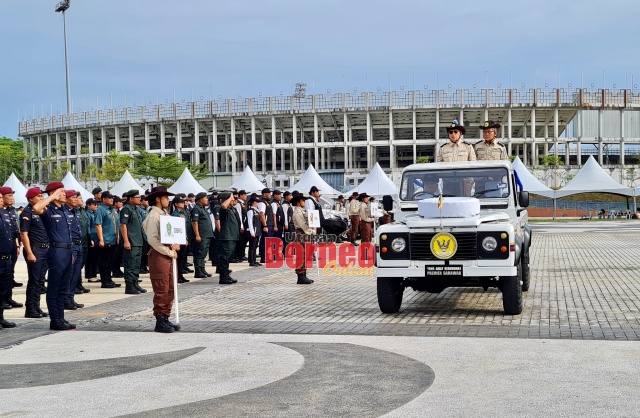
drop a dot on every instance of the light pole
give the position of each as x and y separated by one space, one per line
63 6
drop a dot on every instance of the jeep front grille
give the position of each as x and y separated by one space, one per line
419 243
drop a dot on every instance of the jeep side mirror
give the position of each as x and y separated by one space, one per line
387 203
523 199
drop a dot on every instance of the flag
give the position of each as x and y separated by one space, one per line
440 200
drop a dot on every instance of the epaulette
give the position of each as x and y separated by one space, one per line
501 144
474 145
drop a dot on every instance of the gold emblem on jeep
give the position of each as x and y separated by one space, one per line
443 245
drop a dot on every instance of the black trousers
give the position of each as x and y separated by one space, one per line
105 261
76 272
241 245
225 250
263 237
117 260
144 261
14 257
91 266
36 272
200 250
60 265
213 251
253 246
6 278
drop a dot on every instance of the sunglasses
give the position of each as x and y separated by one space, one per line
453 132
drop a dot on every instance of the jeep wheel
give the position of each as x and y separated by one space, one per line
526 274
390 291
512 294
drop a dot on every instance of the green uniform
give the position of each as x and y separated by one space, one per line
213 247
200 216
130 217
229 234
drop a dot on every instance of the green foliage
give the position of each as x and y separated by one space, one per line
512 157
551 160
423 160
115 165
91 174
166 168
12 158
60 171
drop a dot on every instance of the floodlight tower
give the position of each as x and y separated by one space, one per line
62 7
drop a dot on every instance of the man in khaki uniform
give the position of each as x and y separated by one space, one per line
489 149
455 150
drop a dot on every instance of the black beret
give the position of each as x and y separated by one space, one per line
201 195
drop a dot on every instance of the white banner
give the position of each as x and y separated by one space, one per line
172 230
314 218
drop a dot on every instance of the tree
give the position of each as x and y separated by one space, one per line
60 171
423 160
115 165
166 168
12 158
551 160
92 173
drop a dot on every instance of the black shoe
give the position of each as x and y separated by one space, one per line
69 307
244 259
5 305
32 314
78 292
233 280
69 324
130 289
78 305
176 327
115 284
235 260
42 313
137 286
83 289
162 325
183 280
255 265
14 304
60 325
200 276
189 264
6 324
206 273
108 285
262 261
16 284
188 270
227 280
303 279
145 271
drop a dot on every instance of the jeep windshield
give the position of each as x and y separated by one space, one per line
481 183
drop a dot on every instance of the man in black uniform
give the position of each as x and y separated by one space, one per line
56 220
9 200
241 207
254 229
36 244
76 252
267 221
83 217
131 232
116 271
229 234
7 245
202 233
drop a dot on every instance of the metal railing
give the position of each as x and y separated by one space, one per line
318 103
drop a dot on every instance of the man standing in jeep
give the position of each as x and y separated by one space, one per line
489 149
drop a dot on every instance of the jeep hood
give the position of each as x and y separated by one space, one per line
417 221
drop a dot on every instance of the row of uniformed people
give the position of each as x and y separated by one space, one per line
458 150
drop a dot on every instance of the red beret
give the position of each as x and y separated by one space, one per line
33 192
70 193
55 185
6 190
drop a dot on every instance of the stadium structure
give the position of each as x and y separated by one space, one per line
341 134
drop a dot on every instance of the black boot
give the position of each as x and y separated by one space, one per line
176 327
6 324
303 279
206 273
60 325
138 288
130 289
162 325
181 279
199 273
32 313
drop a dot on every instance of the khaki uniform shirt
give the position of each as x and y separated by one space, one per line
354 207
453 152
300 220
493 151
151 226
365 213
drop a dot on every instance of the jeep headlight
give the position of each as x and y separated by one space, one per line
399 244
489 244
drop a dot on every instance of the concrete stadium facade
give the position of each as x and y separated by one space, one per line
342 134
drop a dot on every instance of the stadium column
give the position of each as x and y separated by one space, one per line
436 129
534 147
315 138
294 150
253 143
600 121
131 139
392 154
163 138
147 140
117 139
273 143
322 150
347 141
509 133
369 135
622 135
178 144
232 160
214 145
196 140
415 132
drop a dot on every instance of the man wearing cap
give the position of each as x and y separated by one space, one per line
143 209
241 208
289 229
91 267
229 234
266 219
36 243
11 217
83 218
303 231
456 149
160 261
313 203
108 231
76 252
489 149
7 245
57 222
254 230
202 234
278 212
180 211
131 232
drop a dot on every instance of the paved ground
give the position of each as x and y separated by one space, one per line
585 286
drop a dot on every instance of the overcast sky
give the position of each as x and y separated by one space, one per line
145 50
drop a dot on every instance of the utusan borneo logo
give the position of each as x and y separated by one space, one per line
332 258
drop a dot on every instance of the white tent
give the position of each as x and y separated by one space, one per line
70 183
248 182
529 182
186 184
19 191
377 184
593 179
125 184
311 178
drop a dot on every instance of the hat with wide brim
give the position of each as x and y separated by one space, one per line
456 125
362 196
490 124
159 191
295 199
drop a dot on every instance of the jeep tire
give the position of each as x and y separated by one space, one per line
390 291
512 294
525 271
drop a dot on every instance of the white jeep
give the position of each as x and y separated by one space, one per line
475 235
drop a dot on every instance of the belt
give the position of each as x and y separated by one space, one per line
61 245
77 241
5 257
40 244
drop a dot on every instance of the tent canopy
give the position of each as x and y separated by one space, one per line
593 179
70 183
529 182
377 184
311 178
125 184
19 191
186 184
248 182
